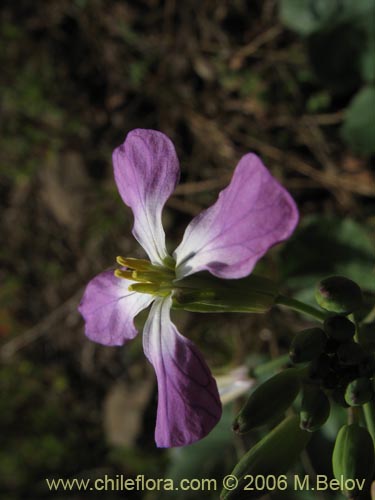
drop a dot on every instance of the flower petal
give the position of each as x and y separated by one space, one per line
251 215
109 309
188 400
146 173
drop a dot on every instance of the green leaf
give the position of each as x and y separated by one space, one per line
367 61
335 56
326 246
340 38
368 64
359 126
308 17
209 458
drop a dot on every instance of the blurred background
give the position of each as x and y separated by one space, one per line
292 80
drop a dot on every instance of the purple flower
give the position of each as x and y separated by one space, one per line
252 214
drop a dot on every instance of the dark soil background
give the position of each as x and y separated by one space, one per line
220 78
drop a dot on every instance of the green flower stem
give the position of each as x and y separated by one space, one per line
369 413
296 305
370 317
271 366
353 320
353 415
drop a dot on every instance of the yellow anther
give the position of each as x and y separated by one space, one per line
120 273
155 276
137 264
145 276
150 288
149 278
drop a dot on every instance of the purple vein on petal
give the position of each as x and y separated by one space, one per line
109 309
251 215
188 400
146 172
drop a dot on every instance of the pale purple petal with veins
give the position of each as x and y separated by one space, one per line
109 308
251 215
146 172
188 400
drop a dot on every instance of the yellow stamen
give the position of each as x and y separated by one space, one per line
145 276
120 273
156 275
137 264
150 288
150 278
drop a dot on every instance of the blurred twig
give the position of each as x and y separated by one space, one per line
322 119
200 125
292 161
24 339
249 49
202 186
184 206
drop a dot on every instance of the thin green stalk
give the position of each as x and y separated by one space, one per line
353 320
353 415
369 413
296 305
271 366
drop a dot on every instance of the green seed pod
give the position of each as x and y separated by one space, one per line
347 374
338 396
359 391
367 366
331 381
273 455
331 346
315 408
203 292
307 345
350 353
366 336
320 367
353 458
339 295
270 399
336 365
339 328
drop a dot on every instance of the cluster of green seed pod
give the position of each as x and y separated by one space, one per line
353 458
334 363
272 457
337 364
349 377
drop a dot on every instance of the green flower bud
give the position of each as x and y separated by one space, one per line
338 396
307 345
331 381
273 455
367 366
315 408
331 346
366 336
338 294
320 367
359 391
339 328
353 457
350 353
347 374
270 399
